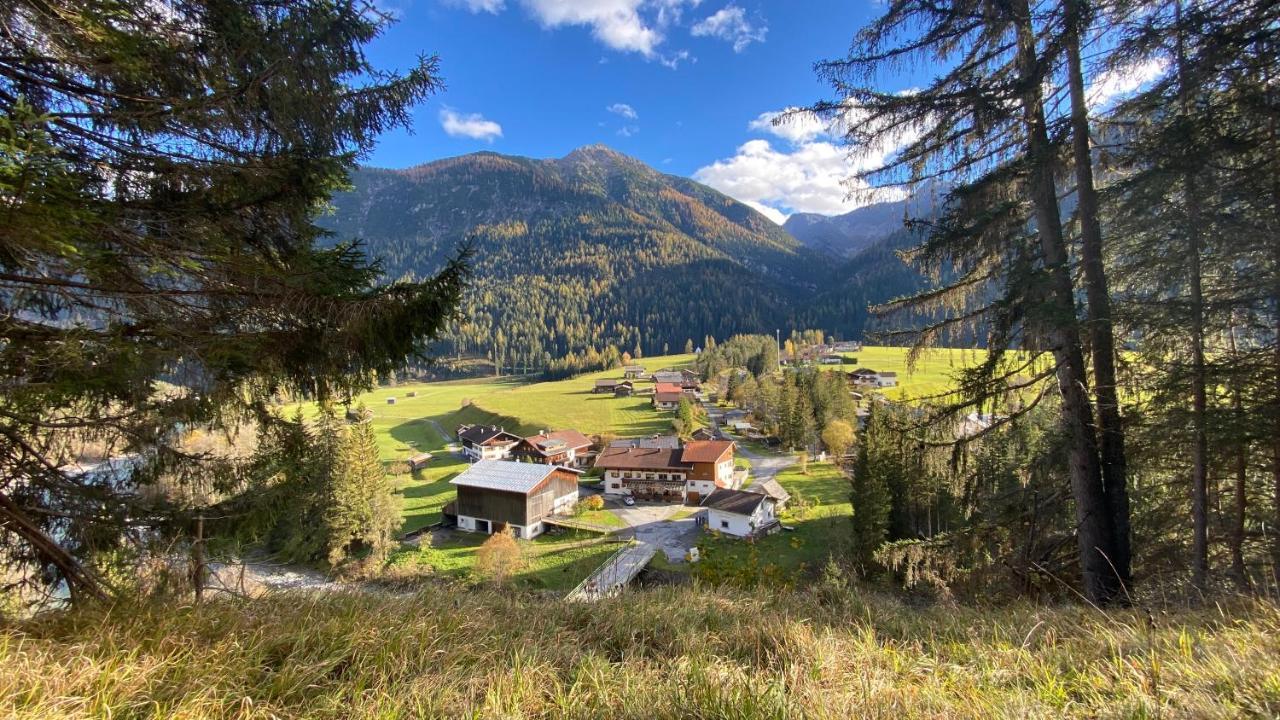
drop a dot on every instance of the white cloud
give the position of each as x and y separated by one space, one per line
477 6
792 124
624 25
624 110
777 216
1115 84
730 24
616 23
809 173
472 125
628 130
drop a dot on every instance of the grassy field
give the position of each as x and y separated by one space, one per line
933 372
549 562
451 651
819 511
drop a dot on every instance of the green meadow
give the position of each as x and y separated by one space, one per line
424 416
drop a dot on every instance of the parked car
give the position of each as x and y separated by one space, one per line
628 500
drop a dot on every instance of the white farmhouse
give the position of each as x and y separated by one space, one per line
740 513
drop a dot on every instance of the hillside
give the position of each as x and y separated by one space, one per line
448 651
590 249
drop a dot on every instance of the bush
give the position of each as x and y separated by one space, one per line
499 557
594 502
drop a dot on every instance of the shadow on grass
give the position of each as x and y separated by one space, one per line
417 434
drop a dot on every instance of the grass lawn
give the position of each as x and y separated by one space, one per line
819 511
601 517
550 562
932 374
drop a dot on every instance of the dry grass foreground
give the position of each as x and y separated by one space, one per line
663 653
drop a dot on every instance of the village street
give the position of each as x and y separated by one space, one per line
763 467
652 524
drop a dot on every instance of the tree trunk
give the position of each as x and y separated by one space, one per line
1238 572
1199 395
1101 334
1095 530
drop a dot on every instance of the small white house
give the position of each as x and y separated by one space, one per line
886 379
740 513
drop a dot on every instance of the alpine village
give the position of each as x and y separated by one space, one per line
639 359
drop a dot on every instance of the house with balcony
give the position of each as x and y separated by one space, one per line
567 448
486 442
682 474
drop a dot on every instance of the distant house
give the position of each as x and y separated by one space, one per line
832 359
667 400
704 434
668 474
686 379
847 347
607 385
419 461
624 389
773 489
867 377
495 495
633 372
559 447
486 442
740 513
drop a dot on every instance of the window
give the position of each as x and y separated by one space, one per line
724 523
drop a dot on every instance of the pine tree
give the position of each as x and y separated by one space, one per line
869 494
981 123
362 517
162 171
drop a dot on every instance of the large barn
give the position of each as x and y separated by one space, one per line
495 495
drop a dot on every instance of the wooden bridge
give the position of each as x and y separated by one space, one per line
620 569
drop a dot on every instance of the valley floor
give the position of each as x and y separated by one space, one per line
414 417
452 651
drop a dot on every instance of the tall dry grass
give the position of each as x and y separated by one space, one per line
663 653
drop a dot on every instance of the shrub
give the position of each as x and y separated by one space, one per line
499 557
594 502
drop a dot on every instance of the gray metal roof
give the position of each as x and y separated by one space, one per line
738 502
504 475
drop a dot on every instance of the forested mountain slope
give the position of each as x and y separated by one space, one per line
596 249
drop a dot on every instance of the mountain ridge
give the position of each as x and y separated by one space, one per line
589 250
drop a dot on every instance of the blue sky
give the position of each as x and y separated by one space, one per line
679 84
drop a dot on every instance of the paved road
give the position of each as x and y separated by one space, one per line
766 467
652 525
763 467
